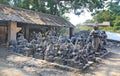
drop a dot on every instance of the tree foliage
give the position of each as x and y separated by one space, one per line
57 7
101 16
111 14
4 2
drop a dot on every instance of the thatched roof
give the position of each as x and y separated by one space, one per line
8 13
104 24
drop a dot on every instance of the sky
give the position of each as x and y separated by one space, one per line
75 19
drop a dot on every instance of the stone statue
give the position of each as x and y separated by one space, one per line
103 38
95 33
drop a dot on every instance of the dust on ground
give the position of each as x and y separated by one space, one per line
107 66
12 64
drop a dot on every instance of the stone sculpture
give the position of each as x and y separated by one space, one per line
76 52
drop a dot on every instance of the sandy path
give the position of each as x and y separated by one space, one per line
5 68
109 66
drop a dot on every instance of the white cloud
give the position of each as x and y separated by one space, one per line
75 19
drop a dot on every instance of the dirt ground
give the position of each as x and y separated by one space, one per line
17 65
107 66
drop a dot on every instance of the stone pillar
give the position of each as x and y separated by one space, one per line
70 32
12 27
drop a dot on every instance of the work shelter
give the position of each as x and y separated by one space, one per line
13 19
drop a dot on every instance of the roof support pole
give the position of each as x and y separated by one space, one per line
27 32
12 30
71 32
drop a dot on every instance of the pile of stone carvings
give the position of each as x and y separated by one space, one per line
76 52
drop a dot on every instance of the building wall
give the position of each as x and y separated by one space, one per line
3 34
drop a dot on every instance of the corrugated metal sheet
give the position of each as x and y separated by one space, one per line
8 13
113 36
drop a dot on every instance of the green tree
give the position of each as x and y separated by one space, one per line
114 6
89 21
102 16
5 2
111 14
57 7
117 21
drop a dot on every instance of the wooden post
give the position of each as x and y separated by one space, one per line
27 32
12 27
70 32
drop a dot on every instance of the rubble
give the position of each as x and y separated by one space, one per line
76 52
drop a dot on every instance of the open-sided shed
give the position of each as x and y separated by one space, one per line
11 18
